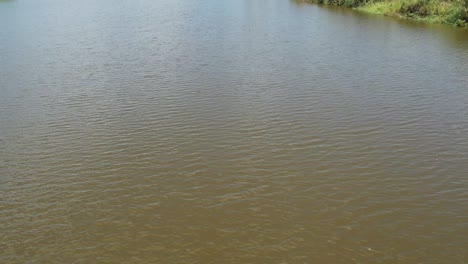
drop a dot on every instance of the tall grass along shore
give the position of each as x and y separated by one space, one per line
453 12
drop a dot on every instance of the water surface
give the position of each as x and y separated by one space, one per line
229 131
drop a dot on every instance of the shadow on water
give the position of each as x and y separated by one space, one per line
456 37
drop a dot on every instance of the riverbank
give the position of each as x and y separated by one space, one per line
452 12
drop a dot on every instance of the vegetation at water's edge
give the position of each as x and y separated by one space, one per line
453 12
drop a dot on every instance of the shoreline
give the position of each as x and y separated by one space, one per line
449 12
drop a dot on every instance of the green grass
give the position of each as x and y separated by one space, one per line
453 12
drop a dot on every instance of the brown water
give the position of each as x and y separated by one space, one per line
229 131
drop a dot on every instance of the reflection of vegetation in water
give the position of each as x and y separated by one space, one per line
454 12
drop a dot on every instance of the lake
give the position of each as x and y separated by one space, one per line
230 131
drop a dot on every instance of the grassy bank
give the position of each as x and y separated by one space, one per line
453 12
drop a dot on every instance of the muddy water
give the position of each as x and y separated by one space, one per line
229 131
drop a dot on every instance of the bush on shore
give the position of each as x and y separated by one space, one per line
453 12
